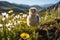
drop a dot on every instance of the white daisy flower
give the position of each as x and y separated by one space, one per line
5 15
1 25
8 25
17 16
3 19
18 22
24 15
9 29
15 23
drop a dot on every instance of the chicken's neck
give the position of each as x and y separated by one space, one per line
32 15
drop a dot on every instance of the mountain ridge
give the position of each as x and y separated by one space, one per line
4 5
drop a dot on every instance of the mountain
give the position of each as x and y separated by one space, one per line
54 6
4 6
12 5
46 5
7 5
24 6
37 6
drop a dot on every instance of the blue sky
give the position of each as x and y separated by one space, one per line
32 2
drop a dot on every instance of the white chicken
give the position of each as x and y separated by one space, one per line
33 18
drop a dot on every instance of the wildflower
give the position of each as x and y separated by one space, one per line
21 13
1 25
3 19
9 25
20 17
11 11
51 25
13 14
58 17
17 16
10 21
24 36
9 28
13 20
24 15
23 21
46 17
16 22
4 15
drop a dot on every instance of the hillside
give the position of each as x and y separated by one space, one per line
55 7
4 6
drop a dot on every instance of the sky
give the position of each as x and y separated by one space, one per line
33 2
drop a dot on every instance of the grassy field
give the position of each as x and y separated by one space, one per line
14 27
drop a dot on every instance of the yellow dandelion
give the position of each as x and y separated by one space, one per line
24 22
58 17
21 13
24 35
11 11
51 25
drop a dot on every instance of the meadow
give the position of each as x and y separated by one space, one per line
14 26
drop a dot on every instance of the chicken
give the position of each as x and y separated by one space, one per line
33 18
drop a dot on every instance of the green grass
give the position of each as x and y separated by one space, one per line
14 33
